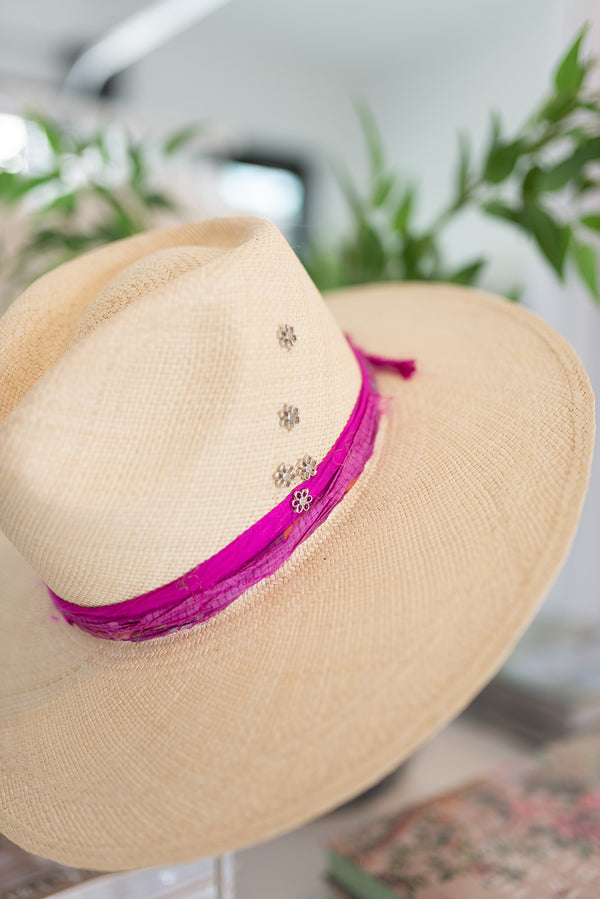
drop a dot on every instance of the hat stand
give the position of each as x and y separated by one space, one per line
225 876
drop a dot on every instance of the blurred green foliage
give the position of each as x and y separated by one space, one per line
91 189
81 191
522 179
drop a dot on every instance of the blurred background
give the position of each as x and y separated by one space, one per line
445 139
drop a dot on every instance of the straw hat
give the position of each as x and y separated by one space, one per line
143 388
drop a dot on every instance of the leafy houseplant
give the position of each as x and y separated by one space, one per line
521 180
88 190
81 191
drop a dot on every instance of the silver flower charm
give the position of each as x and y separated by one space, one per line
306 468
302 500
286 336
285 475
288 417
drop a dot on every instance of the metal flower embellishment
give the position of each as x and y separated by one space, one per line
286 336
288 417
306 468
302 500
285 475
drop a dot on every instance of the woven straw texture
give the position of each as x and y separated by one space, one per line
152 439
381 626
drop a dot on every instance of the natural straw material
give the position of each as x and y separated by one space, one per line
151 444
140 434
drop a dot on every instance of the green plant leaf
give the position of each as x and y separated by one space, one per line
559 176
13 187
495 127
42 239
122 223
179 139
500 210
532 182
82 240
57 136
349 191
384 243
101 141
464 165
50 231
323 266
551 237
515 292
381 192
570 72
7 180
65 204
468 273
557 107
494 138
158 200
371 135
586 261
577 134
591 221
585 185
416 253
405 209
501 161
371 250
569 169
136 159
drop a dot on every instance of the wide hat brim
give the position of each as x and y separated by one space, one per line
380 628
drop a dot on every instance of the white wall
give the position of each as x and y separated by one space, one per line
297 98
260 92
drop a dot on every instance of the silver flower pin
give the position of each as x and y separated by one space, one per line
288 417
306 468
286 336
285 475
302 500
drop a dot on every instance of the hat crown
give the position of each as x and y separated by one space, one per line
151 435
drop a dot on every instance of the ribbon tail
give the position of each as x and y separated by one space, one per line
404 367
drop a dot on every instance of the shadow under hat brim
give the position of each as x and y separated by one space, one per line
379 629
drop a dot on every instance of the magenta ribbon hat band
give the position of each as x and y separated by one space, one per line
257 553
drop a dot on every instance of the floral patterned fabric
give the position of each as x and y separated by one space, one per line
530 831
